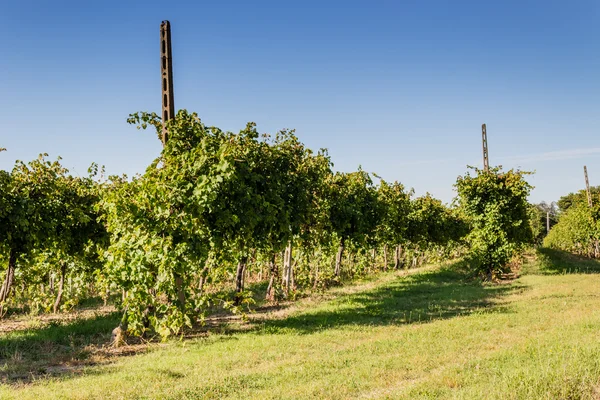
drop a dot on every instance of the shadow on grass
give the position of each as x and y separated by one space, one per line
62 349
550 261
418 298
53 349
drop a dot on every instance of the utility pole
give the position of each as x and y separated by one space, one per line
587 187
486 160
168 109
166 69
549 208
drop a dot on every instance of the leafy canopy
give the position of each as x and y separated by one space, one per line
495 204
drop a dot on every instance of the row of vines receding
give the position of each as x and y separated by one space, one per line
577 230
221 219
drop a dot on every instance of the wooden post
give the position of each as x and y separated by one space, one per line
587 186
168 109
287 269
486 160
166 69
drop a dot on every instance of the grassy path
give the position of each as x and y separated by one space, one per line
431 334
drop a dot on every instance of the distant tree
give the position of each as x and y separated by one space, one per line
571 199
543 217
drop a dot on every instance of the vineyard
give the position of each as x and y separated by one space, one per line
223 229
246 265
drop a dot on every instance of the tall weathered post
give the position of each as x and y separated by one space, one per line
166 69
486 160
587 187
168 110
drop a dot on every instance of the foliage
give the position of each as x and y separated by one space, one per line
569 200
396 208
48 220
30 212
210 192
432 223
159 234
537 222
576 231
214 210
540 216
495 203
30 205
354 208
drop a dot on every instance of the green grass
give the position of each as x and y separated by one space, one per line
432 334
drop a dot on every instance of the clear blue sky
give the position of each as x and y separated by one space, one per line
399 87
